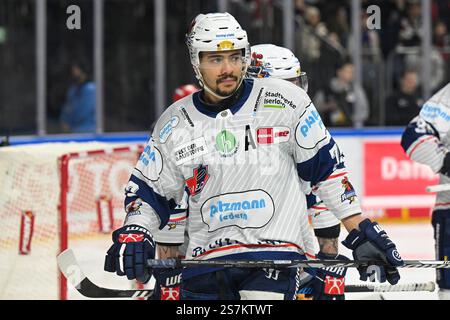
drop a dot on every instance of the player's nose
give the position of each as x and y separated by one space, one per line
226 66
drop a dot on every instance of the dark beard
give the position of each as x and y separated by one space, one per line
220 80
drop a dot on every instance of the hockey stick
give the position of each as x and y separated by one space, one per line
70 268
176 263
438 188
74 274
421 286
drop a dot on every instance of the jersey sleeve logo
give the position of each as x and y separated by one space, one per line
310 130
349 191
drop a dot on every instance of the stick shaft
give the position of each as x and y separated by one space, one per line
438 188
405 287
176 263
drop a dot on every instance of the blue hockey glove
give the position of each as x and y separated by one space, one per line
326 283
133 245
167 285
371 242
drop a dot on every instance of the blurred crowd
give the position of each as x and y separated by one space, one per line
390 94
391 59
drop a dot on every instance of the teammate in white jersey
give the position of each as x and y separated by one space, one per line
243 148
426 140
269 60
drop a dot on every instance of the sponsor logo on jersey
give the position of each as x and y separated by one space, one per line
258 100
349 192
190 150
152 156
226 143
310 130
225 45
166 131
276 100
248 209
196 183
186 116
272 135
432 112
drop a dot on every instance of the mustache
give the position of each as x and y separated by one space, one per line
224 77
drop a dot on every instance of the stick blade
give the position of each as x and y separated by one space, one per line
70 268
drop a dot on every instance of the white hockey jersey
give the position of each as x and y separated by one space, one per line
426 139
244 168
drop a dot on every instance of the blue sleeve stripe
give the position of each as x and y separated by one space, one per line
162 206
410 135
319 167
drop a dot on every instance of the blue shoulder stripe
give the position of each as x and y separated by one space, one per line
415 130
319 167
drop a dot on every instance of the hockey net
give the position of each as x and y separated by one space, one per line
55 196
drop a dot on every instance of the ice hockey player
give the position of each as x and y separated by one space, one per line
243 147
269 60
426 140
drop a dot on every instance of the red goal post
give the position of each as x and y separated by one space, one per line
54 196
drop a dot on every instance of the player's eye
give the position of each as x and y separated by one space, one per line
235 59
216 60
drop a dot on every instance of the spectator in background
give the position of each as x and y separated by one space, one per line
310 34
410 26
404 105
441 41
342 103
78 111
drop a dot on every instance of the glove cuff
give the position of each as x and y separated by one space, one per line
354 238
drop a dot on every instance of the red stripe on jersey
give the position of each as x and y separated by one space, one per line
336 175
417 145
251 246
177 219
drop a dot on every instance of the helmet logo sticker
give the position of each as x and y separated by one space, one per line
225 45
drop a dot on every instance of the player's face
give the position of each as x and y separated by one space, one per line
222 71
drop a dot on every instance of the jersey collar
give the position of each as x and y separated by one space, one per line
247 86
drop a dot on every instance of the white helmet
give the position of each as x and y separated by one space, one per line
216 32
269 60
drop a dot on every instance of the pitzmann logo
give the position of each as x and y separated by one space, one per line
249 209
